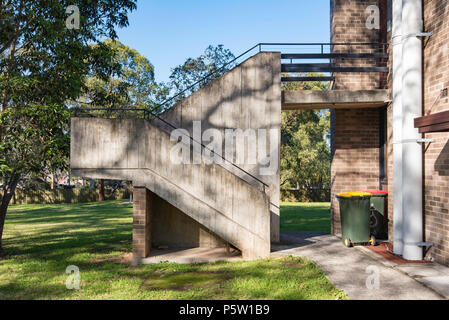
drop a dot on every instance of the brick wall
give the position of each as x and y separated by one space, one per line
436 159
354 132
348 25
142 216
355 164
436 155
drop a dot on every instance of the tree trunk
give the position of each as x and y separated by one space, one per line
8 192
52 181
100 190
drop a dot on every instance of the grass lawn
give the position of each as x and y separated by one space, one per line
305 217
42 241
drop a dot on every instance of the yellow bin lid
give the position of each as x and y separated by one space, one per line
354 194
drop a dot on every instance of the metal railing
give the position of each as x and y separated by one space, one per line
149 113
262 47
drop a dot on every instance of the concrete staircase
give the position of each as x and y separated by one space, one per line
137 150
234 202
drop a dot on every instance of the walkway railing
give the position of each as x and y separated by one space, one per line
319 51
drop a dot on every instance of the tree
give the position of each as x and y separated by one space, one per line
101 196
305 152
34 138
304 85
195 70
129 83
42 65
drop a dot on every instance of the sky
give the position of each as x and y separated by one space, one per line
168 32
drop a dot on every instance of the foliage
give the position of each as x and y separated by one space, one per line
305 85
33 137
129 83
45 239
305 152
45 62
43 65
195 70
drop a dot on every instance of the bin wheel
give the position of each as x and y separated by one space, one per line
348 242
372 241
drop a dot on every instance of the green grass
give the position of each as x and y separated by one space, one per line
305 217
43 240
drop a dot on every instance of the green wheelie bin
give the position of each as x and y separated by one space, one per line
355 218
378 213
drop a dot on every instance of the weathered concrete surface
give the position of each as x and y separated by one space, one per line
226 201
349 268
171 228
137 150
334 99
247 97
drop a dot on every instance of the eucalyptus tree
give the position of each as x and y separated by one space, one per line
46 52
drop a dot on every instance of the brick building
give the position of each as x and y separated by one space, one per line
363 139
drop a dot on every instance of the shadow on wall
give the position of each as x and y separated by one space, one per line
173 228
442 162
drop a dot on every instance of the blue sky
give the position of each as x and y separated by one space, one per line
167 32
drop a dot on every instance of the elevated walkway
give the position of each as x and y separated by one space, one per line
334 99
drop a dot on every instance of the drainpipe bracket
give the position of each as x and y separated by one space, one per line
426 244
417 35
415 140
420 244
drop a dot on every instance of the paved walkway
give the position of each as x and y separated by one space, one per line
354 270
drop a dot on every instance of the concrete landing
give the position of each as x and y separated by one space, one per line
193 255
333 99
353 270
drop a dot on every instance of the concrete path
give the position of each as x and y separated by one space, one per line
359 274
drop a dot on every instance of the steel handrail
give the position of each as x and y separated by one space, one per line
151 111
260 45
146 117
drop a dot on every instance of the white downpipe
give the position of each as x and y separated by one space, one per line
397 127
412 25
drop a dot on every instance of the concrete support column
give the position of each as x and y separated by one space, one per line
142 219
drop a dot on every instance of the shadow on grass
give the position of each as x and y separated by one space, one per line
42 241
60 230
306 217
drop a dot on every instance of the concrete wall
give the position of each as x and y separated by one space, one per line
173 229
136 150
248 97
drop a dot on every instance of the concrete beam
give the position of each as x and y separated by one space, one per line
334 99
